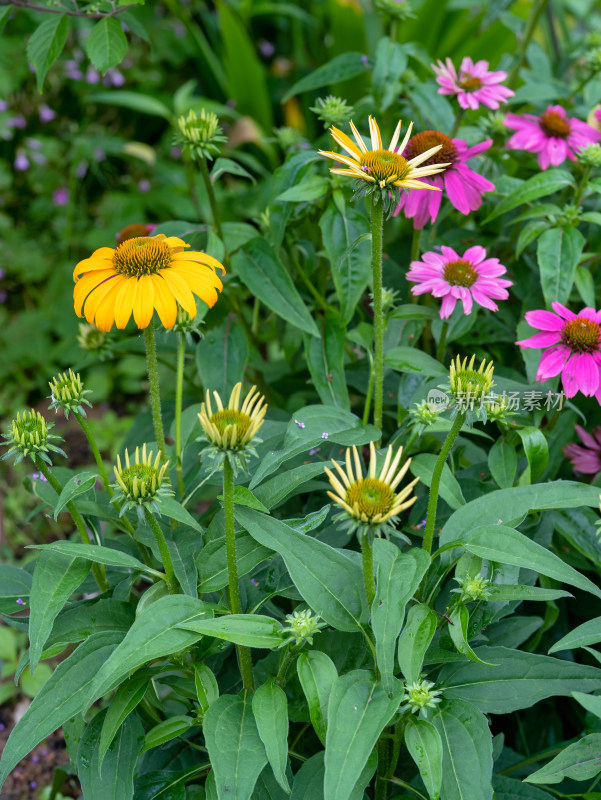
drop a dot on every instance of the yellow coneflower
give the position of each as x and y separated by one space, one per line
382 166
141 275
371 502
232 427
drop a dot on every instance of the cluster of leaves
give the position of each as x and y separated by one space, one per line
148 693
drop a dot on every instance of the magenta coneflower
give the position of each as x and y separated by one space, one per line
463 186
574 342
474 85
587 459
471 278
553 135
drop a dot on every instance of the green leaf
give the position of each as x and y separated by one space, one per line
245 74
212 561
183 546
4 15
174 510
61 698
223 166
106 45
341 68
503 463
55 578
541 185
207 689
510 506
308 781
167 730
358 711
116 780
261 270
270 707
79 484
409 359
511 789
537 453
328 581
343 232
249 630
15 584
424 744
529 233
136 101
422 466
235 748
46 44
244 497
398 576
508 546
98 554
558 252
125 699
458 630
585 285
466 751
221 357
587 633
591 702
519 679
325 359
415 639
391 63
285 483
502 591
153 635
309 189
317 673
580 761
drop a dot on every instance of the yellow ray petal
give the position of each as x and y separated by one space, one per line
89 264
94 299
376 139
395 137
180 290
85 285
164 302
359 138
103 252
124 302
173 241
105 314
339 157
200 287
406 138
144 301
424 156
201 258
344 141
409 184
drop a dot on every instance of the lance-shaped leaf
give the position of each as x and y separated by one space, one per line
580 761
317 673
270 707
249 630
458 630
424 744
415 639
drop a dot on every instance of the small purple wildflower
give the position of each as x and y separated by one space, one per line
35 759
254 582
17 122
267 49
422 524
21 162
60 197
81 169
46 113
3 297
92 75
20 602
33 785
2 726
300 424
99 154
313 451
364 60
3 105
325 435
144 186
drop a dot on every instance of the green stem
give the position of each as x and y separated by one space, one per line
94 447
457 123
397 742
436 476
256 316
381 790
367 550
415 243
537 10
368 396
163 550
583 184
190 178
179 385
442 342
204 170
377 225
284 664
153 378
244 657
98 569
125 523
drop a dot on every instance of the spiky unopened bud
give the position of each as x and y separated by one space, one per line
200 137
30 436
140 484
67 392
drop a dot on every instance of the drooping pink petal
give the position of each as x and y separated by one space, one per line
544 320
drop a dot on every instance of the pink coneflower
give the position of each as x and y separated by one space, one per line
553 135
473 85
463 186
574 342
470 278
587 459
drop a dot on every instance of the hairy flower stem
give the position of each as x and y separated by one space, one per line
367 551
287 657
97 569
153 378
179 386
125 523
415 243
377 232
163 550
435 485
537 10
442 342
244 658
204 170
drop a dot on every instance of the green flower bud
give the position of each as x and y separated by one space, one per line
30 436
200 137
420 695
591 155
139 484
303 627
67 392
332 110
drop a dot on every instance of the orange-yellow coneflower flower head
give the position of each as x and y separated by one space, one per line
141 275
382 166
